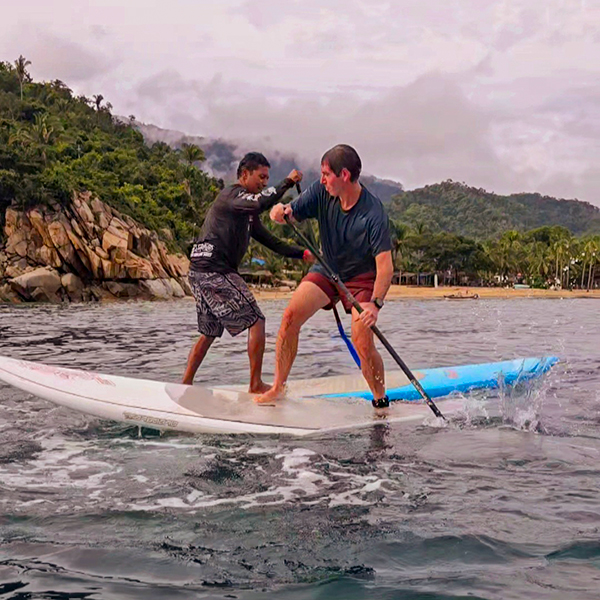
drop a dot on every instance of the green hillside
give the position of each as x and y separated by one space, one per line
463 210
53 143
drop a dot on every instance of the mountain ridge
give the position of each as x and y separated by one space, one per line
445 206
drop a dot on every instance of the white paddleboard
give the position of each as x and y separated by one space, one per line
199 409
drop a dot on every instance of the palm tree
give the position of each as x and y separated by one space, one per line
21 65
400 233
192 153
42 134
561 253
98 100
537 260
591 252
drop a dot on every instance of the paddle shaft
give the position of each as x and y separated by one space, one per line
343 335
354 302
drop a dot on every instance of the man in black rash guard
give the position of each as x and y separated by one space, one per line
356 244
223 300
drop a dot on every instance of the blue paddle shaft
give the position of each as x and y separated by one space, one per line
351 348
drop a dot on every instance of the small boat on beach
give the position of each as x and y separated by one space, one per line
460 296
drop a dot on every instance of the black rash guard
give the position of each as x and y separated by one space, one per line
232 219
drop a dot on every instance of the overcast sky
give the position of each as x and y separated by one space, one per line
501 94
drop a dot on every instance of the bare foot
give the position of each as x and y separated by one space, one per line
261 388
270 396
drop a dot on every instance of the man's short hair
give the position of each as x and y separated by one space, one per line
343 157
251 162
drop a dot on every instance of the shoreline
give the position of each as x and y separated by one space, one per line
408 292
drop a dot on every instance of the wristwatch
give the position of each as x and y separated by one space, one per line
378 302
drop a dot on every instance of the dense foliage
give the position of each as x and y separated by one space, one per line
462 210
543 257
53 143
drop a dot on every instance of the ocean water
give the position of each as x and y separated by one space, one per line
502 503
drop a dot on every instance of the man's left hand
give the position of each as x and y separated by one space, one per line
369 314
309 257
295 176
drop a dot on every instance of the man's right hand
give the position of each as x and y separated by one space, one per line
279 212
295 176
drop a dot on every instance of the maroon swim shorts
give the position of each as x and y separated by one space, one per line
360 286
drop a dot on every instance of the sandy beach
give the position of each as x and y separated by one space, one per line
429 293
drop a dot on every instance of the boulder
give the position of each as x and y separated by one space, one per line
7 294
16 243
12 221
112 238
185 285
176 288
48 256
99 208
119 229
76 228
58 234
102 253
155 259
62 243
103 220
40 285
138 268
73 286
43 295
122 290
80 248
178 265
82 208
38 223
16 267
142 244
95 263
156 288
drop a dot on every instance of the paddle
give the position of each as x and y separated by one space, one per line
343 335
354 302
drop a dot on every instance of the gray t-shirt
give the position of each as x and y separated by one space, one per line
350 240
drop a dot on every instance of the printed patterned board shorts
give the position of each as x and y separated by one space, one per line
223 301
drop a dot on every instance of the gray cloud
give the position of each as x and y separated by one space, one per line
502 94
54 57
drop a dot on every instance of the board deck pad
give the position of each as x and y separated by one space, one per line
311 405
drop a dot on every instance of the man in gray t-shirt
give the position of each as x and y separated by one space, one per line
356 244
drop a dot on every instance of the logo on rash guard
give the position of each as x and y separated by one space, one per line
203 250
256 197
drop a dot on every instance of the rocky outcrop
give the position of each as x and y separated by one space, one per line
86 251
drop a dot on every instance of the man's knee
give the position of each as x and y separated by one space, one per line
291 320
258 328
362 338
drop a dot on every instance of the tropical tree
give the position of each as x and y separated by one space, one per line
591 253
98 100
192 154
400 233
21 65
42 133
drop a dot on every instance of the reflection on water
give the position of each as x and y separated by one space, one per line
501 503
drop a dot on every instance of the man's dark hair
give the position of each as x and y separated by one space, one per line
343 157
251 162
